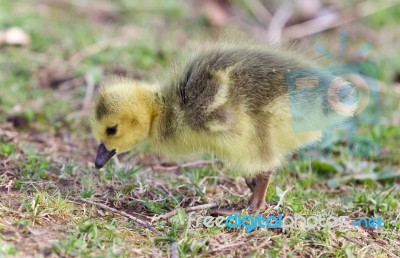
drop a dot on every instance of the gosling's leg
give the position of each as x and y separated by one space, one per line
251 182
258 185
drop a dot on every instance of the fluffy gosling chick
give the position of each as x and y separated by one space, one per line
231 101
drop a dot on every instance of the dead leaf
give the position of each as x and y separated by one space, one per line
14 36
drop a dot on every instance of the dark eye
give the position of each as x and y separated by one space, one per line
111 130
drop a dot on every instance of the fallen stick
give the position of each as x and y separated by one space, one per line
174 212
96 48
260 12
282 197
331 21
121 213
225 212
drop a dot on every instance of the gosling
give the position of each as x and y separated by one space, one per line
229 100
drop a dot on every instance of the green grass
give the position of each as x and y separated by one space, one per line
46 159
88 237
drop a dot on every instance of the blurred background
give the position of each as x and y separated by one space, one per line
54 54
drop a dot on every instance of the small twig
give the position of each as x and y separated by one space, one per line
165 168
231 192
10 185
96 48
259 11
121 213
225 212
174 250
89 91
194 208
353 240
278 22
313 26
206 178
282 197
330 21
196 163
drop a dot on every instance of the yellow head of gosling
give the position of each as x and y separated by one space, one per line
123 115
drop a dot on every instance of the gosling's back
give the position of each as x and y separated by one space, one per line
234 102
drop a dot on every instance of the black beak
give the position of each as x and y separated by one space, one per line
103 155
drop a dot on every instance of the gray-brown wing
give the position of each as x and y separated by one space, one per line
200 88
